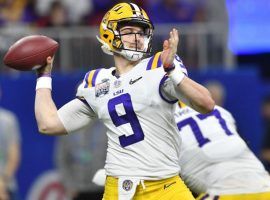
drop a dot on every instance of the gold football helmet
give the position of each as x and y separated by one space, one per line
125 14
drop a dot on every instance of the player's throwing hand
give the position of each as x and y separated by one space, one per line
169 50
46 70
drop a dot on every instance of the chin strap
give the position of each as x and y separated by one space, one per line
130 55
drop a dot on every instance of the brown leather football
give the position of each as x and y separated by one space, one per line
30 52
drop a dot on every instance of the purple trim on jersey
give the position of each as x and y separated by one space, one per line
205 196
184 67
179 60
159 63
160 93
95 77
150 62
86 79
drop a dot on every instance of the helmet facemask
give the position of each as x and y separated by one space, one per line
141 44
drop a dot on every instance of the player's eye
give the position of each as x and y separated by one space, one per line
130 31
126 31
141 33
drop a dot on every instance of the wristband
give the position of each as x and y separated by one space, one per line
44 75
44 82
176 76
168 68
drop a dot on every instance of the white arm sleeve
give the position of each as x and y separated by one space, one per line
76 115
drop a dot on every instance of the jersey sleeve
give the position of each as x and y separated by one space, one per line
81 90
179 64
75 115
227 115
168 90
89 82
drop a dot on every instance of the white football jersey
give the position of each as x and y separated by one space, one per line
137 108
214 158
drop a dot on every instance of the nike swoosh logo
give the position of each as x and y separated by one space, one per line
168 185
134 81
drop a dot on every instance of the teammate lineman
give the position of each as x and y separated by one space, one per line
136 101
215 162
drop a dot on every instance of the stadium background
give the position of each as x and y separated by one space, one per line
221 40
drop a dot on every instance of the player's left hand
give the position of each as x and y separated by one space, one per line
169 50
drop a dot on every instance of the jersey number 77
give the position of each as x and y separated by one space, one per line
196 129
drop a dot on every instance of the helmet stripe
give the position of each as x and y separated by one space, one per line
140 10
137 9
133 9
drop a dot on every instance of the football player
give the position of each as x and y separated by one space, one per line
136 101
215 161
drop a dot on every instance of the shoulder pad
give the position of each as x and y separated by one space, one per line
90 78
154 62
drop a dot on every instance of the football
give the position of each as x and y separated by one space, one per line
30 52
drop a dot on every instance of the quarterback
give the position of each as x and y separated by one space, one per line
215 161
136 101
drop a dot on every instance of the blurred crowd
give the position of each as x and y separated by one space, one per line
25 17
47 13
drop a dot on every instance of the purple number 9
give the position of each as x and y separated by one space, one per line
129 117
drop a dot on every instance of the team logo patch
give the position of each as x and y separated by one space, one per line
117 83
127 185
102 88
